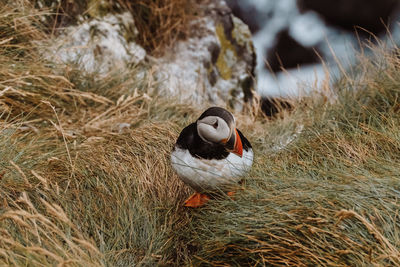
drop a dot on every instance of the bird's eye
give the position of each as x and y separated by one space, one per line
215 125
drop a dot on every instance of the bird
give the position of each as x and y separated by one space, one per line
211 154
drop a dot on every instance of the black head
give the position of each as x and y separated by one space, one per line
219 112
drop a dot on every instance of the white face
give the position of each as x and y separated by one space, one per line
213 129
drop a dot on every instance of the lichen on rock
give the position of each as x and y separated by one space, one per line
227 56
215 64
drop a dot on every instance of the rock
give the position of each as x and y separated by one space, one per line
99 45
347 14
216 63
272 106
288 53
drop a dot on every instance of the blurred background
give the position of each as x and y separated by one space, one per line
296 34
297 42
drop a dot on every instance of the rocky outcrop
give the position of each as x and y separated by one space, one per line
99 45
215 64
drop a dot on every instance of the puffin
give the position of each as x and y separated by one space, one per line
211 155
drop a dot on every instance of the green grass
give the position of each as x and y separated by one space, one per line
76 189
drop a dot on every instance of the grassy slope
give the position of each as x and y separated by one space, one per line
76 190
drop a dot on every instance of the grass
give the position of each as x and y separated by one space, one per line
159 22
85 178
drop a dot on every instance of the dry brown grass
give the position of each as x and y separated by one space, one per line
330 198
159 22
85 178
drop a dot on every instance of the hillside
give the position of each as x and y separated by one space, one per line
85 175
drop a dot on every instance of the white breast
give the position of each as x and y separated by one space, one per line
203 174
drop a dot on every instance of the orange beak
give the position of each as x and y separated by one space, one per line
238 148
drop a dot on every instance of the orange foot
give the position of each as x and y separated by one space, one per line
231 194
196 200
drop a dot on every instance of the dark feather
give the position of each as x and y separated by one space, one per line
189 139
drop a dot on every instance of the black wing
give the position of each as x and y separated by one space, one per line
189 139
